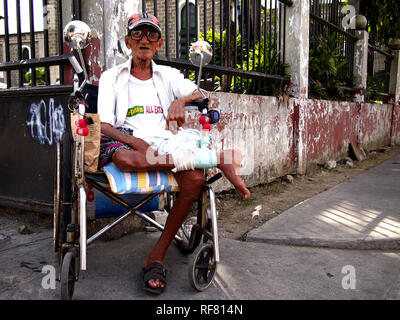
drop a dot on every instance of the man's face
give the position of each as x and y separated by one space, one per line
143 49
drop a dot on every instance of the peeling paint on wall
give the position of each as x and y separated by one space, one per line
279 137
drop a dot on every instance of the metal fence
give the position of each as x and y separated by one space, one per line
331 48
379 64
248 38
31 42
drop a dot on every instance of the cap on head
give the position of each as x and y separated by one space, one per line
143 19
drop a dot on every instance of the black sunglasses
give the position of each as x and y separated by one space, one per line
152 36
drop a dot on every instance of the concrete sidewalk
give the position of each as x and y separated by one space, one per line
361 213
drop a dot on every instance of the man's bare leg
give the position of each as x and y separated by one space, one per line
190 183
229 163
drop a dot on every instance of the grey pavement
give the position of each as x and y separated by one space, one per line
361 213
341 244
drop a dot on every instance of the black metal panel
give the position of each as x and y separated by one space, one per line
29 124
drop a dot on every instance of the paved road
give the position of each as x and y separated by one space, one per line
316 250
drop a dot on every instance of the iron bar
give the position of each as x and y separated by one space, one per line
242 35
284 38
228 35
46 41
220 70
187 29
32 40
280 40
155 8
213 29
334 27
248 40
289 3
205 19
259 36
235 45
7 41
34 63
386 54
270 36
76 10
196 12
275 47
176 29
221 27
60 38
19 42
16 92
166 29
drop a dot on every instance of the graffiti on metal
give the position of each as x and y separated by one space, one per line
47 124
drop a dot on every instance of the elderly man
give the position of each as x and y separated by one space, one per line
140 95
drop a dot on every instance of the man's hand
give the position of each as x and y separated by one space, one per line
176 112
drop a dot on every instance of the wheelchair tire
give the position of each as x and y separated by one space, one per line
68 275
202 267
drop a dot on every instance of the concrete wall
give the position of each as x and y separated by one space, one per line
280 136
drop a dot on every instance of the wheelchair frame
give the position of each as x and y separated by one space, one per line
70 230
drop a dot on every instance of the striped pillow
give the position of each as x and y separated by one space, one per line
139 182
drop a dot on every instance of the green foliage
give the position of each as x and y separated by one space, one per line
383 19
257 58
328 69
40 77
375 86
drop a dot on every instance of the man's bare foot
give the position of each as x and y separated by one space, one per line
154 283
229 164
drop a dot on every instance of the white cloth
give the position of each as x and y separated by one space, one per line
165 142
114 94
183 146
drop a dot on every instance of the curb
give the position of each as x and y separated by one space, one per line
343 243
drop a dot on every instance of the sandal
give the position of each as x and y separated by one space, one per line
153 271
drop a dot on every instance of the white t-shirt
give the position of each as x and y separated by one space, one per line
144 110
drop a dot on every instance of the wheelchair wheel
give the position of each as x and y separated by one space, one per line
202 267
68 275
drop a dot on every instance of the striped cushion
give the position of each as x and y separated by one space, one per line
139 182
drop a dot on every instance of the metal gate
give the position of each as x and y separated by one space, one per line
33 98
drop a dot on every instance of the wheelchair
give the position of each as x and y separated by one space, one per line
197 236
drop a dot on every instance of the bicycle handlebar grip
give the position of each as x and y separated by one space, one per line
199 104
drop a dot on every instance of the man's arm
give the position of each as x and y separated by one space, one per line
176 111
